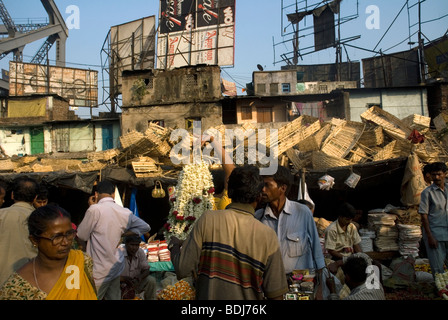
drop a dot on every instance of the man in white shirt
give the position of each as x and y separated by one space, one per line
103 225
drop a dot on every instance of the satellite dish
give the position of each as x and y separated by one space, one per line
260 67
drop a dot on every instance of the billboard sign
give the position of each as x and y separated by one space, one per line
196 32
78 86
132 47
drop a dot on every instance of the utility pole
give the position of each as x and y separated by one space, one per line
420 45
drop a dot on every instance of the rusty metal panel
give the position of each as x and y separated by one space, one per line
78 86
132 47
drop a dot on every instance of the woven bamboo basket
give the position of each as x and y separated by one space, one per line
431 150
91 166
161 133
130 138
145 165
294 158
42 168
403 148
8 165
372 137
385 153
418 122
294 132
61 164
314 142
360 154
28 159
160 145
342 139
105 155
322 161
23 169
391 124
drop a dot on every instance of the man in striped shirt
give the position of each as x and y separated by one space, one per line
361 287
230 254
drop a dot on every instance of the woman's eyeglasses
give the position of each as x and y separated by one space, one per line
58 238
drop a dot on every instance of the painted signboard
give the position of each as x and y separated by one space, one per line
193 32
78 86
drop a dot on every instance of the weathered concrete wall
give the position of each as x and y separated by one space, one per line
400 102
172 115
270 83
159 87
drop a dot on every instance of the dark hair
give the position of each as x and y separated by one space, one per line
245 184
356 268
427 168
438 166
105 187
132 238
42 194
24 189
218 176
39 218
346 210
3 185
283 176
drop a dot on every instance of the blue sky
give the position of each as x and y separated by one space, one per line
258 27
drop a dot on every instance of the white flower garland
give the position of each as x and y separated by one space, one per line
193 196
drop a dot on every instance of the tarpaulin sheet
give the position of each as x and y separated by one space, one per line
24 108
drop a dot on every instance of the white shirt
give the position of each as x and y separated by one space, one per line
102 226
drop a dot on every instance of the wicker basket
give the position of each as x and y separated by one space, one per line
296 131
145 165
385 153
91 166
105 155
8 165
342 139
431 150
418 122
391 124
372 137
61 164
42 168
322 161
314 142
23 169
360 154
130 138
403 148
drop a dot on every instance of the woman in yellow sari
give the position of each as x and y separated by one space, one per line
222 199
57 272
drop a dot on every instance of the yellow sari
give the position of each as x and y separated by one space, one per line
222 202
73 284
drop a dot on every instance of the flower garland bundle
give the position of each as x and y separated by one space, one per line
193 196
181 290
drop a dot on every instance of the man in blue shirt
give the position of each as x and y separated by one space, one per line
293 222
434 212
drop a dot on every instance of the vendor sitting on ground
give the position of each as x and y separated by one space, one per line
341 236
361 287
135 277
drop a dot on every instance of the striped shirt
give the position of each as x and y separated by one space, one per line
234 256
362 293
